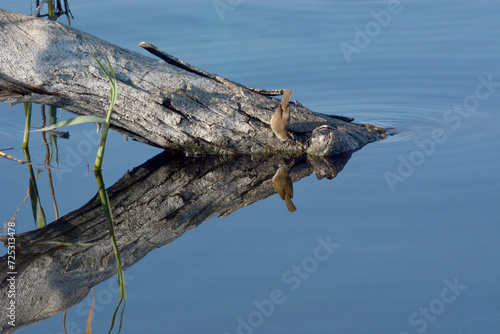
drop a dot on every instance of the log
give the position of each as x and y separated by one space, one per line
153 205
169 104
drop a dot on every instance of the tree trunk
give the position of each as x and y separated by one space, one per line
163 104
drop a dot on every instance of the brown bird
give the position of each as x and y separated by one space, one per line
281 117
282 182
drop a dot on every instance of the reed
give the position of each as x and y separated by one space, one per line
27 112
110 74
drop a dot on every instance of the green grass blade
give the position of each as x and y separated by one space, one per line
51 9
105 70
110 74
27 112
73 121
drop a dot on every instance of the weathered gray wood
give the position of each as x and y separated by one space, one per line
158 103
153 205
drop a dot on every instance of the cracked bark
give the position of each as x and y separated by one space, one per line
159 103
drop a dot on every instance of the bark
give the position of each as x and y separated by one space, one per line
166 104
153 205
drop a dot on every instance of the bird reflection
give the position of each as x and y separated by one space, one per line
282 182
281 117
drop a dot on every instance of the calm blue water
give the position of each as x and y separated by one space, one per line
414 218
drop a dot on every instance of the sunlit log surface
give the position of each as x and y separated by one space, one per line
158 103
153 205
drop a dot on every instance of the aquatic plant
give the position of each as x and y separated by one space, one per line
36 205
55 9
109 220
27 113
104 134
110 74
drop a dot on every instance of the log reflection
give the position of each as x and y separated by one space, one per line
153 205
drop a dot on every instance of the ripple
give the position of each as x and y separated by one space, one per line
407 125
403 123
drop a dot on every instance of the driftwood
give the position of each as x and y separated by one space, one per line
168 103
153 205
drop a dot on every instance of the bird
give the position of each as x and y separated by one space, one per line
283 185
281 117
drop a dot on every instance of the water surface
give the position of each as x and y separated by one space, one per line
410 216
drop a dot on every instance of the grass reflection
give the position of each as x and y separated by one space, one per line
109 220
36 204
55 9
49 152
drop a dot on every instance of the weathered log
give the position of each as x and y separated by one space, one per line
165 104
153 205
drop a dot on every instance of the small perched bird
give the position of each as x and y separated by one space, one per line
281 117
282 182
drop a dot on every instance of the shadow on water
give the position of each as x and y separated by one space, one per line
153 205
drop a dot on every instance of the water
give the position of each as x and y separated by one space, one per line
414 218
